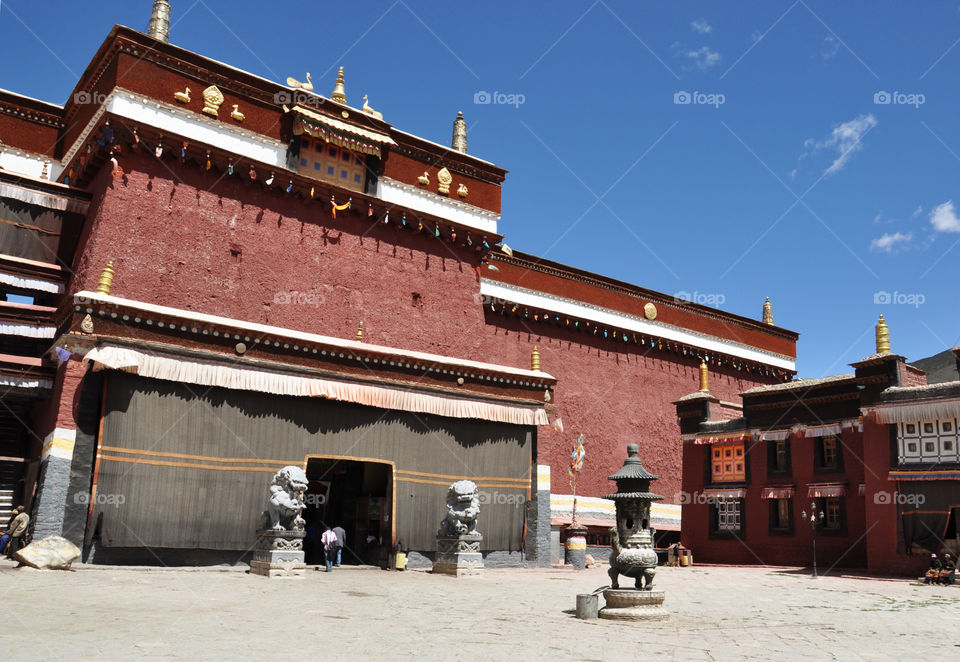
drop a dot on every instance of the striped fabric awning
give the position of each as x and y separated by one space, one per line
780 492
822 430
827 490
339 132
726 494
944 474
721 439
774 435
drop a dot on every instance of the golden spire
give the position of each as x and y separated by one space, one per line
459 133
106 279
339 93
767 312
360 332
883 337
535 359
159 27
704 377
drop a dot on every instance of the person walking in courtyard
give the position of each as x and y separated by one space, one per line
18 528
329 540
341 542
933 573
949 570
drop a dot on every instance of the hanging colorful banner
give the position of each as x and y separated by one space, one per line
576 462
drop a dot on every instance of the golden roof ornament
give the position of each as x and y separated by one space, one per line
339 93
444 179
535 359
106 279
768 312
463 191
704 377
212 98
159 27
459 142
236 114
306 85
360 332
424 179
368 109
883 337
182 97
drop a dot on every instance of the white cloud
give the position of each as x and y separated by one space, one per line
916 212
700 25
845 140
830 47
703 58
944 218
889 242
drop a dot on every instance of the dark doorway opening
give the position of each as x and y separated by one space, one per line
357 496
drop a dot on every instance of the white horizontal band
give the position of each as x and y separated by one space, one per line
398 193
26 330
36 284
525 297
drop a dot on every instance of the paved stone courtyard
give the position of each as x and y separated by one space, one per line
717 613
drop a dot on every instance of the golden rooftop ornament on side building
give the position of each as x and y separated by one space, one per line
535 359
768 312
704 377
883 337
369 110
236 114
159 27
106 279
360 332
182 97
459 141
339 93
424 179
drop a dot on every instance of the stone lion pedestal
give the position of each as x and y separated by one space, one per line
458 541
279 554
459 557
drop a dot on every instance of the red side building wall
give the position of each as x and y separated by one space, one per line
757 544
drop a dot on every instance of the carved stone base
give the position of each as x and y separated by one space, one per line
634 605
279 554
459 557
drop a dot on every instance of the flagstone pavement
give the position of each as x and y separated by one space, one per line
716 613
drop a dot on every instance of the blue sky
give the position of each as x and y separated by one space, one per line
789 173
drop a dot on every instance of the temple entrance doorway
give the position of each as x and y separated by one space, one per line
357 495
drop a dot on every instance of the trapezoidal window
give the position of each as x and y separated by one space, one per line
331 163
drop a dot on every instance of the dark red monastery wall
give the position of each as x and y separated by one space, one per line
228 247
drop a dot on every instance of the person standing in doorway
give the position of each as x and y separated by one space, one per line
18 528
329 540
341 542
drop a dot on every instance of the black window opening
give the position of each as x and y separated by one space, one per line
778 456
781 516
828 453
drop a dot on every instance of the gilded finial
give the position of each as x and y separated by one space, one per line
106 279
339 93
459 142
883 337
535 359
360 332
159 27
704 377
767 312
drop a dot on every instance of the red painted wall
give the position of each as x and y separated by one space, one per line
228 247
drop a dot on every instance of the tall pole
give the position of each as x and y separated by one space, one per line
813 521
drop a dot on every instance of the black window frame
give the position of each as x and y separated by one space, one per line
818 455
772 467
789 529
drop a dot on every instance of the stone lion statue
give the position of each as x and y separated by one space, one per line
285 501
463 508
